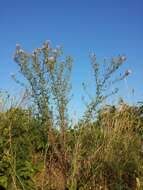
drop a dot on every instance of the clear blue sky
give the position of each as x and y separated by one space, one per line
107 27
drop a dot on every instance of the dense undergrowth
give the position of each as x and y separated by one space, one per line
41 150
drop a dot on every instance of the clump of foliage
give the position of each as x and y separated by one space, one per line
16 147
40 150
112 149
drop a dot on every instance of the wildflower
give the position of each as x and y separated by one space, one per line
51 59
46 44
128 72
18 52
18 47
21 51
123 58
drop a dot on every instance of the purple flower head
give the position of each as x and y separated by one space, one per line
128 72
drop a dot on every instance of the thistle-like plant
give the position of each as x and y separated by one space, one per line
103 81
48 80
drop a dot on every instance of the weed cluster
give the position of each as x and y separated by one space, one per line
40 150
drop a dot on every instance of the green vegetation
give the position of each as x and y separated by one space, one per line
40 149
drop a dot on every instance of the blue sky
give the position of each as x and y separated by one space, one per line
107 27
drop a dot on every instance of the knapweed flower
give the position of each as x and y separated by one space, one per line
123 58
128 72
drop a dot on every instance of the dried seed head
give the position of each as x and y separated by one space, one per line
51 59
